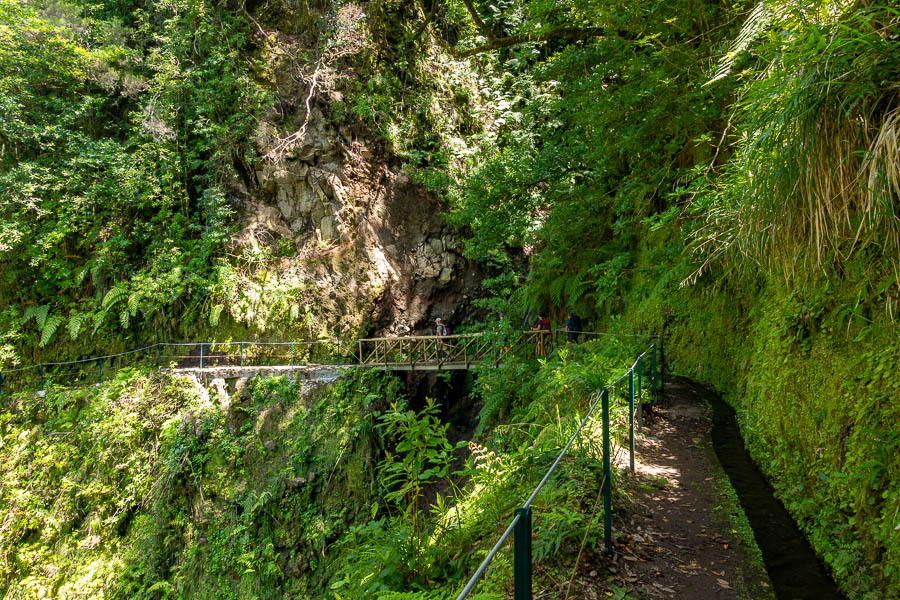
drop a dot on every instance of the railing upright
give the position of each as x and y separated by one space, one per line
522 554
653 376
631 418
607 476
662 366
640 398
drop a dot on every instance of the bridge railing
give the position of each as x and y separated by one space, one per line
453 351
520 527
463 349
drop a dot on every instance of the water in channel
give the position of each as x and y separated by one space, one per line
793 567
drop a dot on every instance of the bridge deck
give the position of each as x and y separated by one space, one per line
308 371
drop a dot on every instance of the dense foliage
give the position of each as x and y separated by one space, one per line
123 125
156 492
724 173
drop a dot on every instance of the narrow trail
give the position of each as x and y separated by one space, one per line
682 538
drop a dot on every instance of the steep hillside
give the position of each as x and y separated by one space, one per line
178 170
727 178
725 174
150 488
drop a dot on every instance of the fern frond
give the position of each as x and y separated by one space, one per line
124 318
556 287
133 302
112 297
98 320
75 324
36 312
576 287
764 15
50 327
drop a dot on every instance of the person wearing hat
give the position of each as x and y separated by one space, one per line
440 329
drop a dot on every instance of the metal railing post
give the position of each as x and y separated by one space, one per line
41 371
631 418
100 371
662 366
522 554
158 354
242 354
653 380
640 398
292 354
607 476
201 355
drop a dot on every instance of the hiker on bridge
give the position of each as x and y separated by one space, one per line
573 328
441 331
542 327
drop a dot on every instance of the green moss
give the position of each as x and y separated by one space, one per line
809 369
142 488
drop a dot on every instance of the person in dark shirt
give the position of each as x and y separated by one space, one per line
573 328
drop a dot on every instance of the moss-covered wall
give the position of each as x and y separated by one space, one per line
811 372
148 488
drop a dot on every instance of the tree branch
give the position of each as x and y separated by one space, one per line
560 33
426 21
489 34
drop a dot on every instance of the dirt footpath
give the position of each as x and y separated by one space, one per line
681 533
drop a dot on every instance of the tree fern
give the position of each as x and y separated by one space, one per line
50 327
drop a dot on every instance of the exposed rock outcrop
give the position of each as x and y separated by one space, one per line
368 240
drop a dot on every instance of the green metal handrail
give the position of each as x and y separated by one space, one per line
520 526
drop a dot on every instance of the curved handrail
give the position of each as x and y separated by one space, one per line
596 398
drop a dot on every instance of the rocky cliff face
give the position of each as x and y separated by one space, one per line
369 252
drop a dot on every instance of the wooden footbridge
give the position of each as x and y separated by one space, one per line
426 353
406 353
